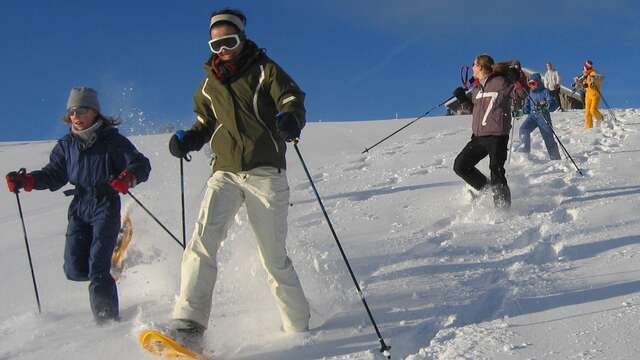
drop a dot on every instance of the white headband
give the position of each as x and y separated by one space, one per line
227 17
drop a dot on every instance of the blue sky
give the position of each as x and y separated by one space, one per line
356 60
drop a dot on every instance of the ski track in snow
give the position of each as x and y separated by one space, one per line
447 277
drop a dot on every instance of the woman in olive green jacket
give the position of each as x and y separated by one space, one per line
246 107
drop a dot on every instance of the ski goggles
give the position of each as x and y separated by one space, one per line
78 111
228 42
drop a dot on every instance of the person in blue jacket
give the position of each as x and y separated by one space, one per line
538 105
100 163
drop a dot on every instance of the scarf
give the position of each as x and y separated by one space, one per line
227 71
88 136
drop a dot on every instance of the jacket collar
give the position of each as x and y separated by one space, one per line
102 131
227 72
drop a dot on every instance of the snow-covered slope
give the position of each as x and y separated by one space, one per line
555 277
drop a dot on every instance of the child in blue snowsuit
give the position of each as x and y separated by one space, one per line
100 162
537 105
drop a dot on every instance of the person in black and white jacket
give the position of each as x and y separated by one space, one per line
490 98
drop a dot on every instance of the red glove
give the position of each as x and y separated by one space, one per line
518 85
17 180
123 182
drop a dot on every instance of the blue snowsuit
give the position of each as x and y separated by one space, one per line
539 118
94 212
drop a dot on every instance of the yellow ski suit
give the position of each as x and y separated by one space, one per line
592 81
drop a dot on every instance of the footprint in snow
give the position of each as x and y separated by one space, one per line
450 133
395 179
563 216
317 178
573 191
424 140
426 169
431 245
558 183
393 150
443 223
356 165
542 252
526 237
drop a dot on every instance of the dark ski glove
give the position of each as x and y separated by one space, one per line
287 126
177 146
542 106
182 142
461 94
17 180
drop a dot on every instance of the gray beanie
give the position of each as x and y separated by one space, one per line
83 97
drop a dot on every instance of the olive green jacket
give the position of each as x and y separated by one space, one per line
238 119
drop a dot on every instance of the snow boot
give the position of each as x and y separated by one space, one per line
501 196
103 299
188 333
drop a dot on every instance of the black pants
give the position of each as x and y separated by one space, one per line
476 150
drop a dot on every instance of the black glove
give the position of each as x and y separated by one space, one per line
459 92
182 142
177 146
287 126
461 95
543 106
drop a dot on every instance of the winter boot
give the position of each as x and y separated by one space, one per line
597 123
103 298
188 333
501 196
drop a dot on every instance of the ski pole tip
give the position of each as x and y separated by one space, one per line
385 350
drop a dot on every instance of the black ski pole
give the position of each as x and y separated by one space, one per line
184 229
384 348
402 128
26 243
515 121
548 121
156 219
566 152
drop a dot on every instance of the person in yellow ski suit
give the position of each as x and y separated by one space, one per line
591 82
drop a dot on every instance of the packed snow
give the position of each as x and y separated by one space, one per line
447 277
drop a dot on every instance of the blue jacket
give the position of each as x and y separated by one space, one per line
539 95
91 170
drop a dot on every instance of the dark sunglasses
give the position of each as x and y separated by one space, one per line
532 83
228 42
79 111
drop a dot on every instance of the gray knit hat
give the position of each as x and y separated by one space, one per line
83 97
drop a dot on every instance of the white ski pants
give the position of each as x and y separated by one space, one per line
265 192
